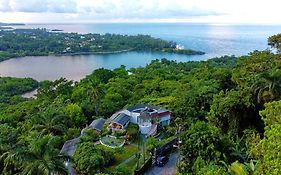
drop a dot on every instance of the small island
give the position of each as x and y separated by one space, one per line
42 42
11 24
6 28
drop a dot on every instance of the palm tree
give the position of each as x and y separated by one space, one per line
12 160
237 168
95 93
268 86
49 123
39 157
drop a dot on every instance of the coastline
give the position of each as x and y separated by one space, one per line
191 52
93 53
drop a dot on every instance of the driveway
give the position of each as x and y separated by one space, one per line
169 169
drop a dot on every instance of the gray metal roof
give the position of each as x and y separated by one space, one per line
70 146
97 124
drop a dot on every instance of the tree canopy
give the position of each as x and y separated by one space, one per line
228 108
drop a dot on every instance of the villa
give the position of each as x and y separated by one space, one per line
148 117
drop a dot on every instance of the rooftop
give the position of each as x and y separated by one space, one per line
140 108
97 124
121 119
69 146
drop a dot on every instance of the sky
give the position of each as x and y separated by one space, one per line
90 11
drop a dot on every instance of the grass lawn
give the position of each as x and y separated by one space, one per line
123 154
132 164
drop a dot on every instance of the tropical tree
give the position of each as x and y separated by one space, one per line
268 85
39 156
95 94
91 159
275 41
229 111
75 115
270 160
49 123
200 140
237 168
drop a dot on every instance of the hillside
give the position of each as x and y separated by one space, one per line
229 109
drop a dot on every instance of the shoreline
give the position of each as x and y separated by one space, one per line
93 53
106 52
70 54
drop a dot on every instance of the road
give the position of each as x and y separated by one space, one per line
169 169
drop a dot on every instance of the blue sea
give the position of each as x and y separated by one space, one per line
215 40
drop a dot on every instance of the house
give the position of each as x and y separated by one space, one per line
148 117
157 113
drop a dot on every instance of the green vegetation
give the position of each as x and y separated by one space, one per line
270 160
90 158
39 156
16 86
112 141
12 88
124 153
132 131
37 42
182 51
275 41
228 110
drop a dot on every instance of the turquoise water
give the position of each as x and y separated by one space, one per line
215 40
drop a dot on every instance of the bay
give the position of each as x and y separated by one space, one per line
215 40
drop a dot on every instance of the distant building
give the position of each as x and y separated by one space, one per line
179 47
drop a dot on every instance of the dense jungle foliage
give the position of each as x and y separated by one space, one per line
229 110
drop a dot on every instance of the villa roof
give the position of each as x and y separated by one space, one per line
70 146
132 108
121 119
163 113
159 110
97 124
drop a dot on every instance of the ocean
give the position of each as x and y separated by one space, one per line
215 40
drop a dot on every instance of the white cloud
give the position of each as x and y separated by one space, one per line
62 6
4 5
215 11
38 6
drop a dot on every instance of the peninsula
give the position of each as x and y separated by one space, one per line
42 42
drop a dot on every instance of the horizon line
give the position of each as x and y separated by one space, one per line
145 22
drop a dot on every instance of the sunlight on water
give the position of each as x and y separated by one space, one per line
215 40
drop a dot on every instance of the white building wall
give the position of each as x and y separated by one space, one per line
134 116
145 128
